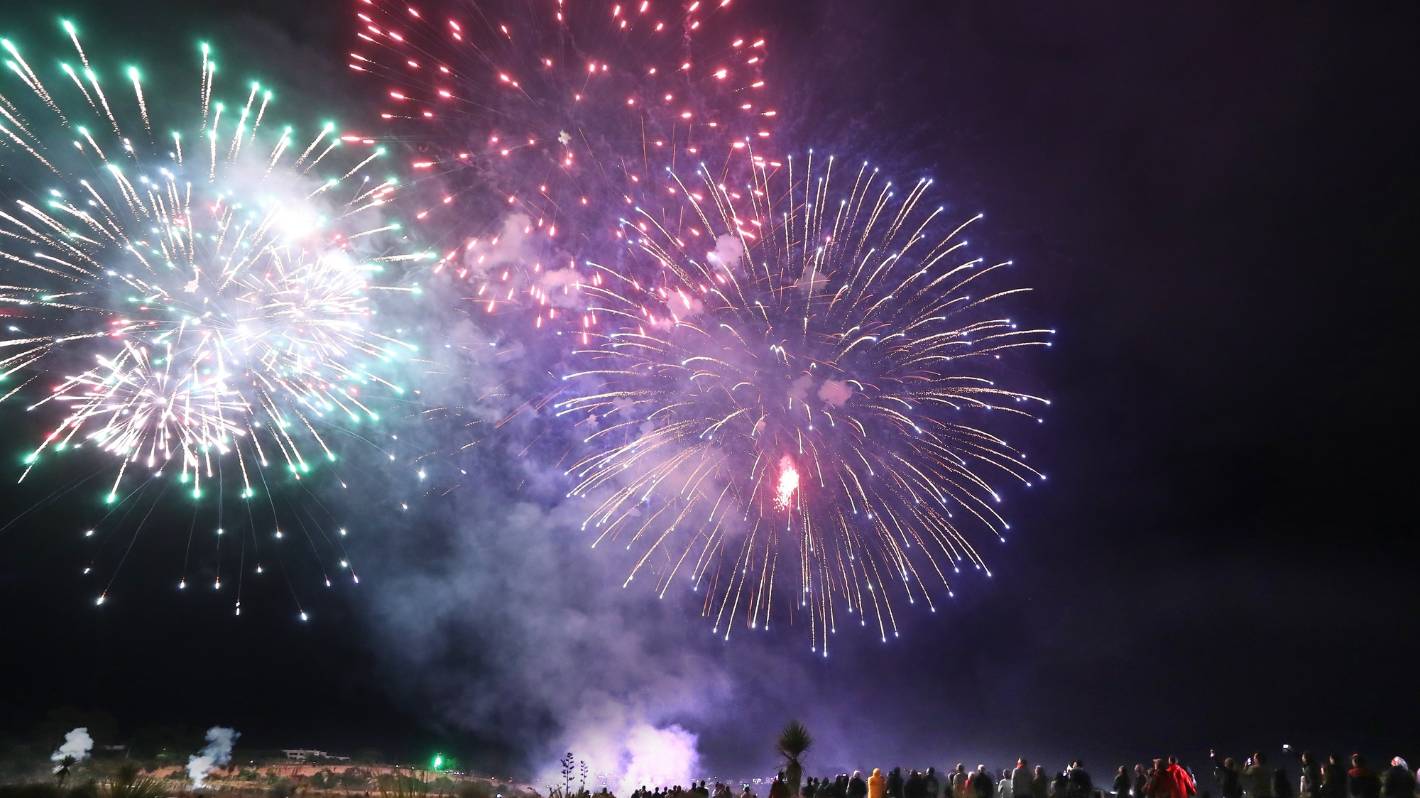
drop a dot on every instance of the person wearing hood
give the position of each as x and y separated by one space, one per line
1398 781
1361 782
894 783
877 784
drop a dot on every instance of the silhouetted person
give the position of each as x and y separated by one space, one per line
1333 778
857 788
1226 774
894 783
959 781
1080 785
1257 778
931 785
981 784
1309 786
1398 781
1039 783
1121 782
1361 781
1021 779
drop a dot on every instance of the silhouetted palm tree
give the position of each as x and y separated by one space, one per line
794 741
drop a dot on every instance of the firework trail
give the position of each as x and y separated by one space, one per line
803 402
200 302
536 123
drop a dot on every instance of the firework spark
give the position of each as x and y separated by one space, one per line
201 304
540 122
804 397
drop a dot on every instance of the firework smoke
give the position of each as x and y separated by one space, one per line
76 748
216 753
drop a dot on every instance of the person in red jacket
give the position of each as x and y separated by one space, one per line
1185 786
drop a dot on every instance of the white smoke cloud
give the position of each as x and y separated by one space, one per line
658 757
76 747
216 753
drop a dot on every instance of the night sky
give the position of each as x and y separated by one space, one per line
1216 203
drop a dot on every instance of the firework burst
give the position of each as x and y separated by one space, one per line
803 399
201 302
540 122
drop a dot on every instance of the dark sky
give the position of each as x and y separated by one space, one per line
1216 201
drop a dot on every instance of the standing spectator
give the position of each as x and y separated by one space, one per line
915 787
1161 783
1039 784
1398 781
1309 786
1361 782
1080 785
1226 774
857 788
810 788
1060 785
877 785
1121 782
1003 787
1333 778
981 785
932 788
959 780
894 783
1021 779
1185 786
1257 778
1141 780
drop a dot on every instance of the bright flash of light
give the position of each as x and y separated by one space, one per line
189 290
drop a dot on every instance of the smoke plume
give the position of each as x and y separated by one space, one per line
76 748
216 753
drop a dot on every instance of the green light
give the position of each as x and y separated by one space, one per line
68 26
133 73
110 498
438 761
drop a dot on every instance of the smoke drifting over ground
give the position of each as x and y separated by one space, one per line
76 748
216 753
